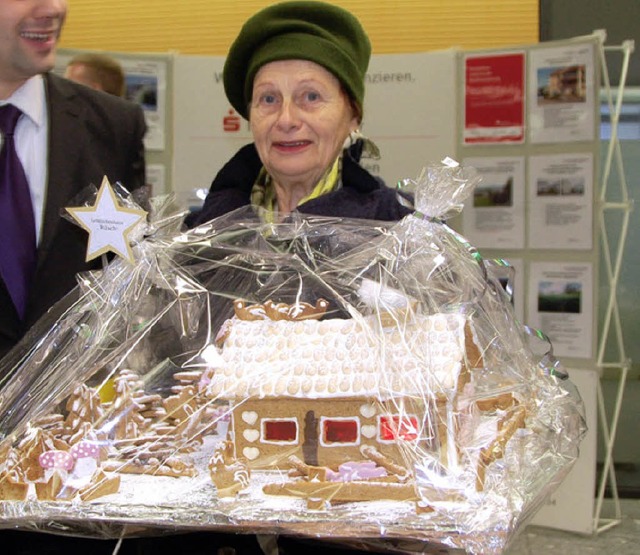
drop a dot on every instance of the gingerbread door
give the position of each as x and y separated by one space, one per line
310 444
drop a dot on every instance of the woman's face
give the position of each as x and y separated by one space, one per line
300 118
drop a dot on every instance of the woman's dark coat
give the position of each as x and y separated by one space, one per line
361 196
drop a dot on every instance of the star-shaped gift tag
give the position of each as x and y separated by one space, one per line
108 224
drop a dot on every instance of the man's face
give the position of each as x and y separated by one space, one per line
29 33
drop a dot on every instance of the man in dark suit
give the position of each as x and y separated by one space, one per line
68 137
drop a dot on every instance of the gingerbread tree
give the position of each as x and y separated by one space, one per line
125 410
84 407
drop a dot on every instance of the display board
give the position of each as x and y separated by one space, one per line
530 127
571 506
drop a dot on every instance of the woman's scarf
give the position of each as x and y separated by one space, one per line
263 193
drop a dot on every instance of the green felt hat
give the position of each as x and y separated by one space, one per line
316 31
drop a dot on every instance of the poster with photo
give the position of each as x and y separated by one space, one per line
561 305
561 94
494 215
146 84
494 94
561 201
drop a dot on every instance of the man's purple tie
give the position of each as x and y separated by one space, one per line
17 226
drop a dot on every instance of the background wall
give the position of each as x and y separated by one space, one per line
209 26
561 19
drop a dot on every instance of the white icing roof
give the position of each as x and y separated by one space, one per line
339 358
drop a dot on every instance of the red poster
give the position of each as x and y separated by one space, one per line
494 99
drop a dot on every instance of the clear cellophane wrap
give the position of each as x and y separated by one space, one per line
322 377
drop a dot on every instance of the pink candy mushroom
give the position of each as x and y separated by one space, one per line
57 460
83 449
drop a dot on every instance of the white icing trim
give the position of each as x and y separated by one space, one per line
368 410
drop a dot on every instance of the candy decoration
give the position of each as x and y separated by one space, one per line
84 449
55 459
357 470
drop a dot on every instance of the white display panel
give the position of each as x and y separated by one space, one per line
571 506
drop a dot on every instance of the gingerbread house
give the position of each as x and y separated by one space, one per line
321 390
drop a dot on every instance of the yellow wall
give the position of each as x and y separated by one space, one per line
209 26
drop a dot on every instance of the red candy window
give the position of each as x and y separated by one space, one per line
280 431
395 427
339 431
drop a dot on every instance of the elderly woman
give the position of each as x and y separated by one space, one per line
296 72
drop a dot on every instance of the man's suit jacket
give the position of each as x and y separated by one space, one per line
91 134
